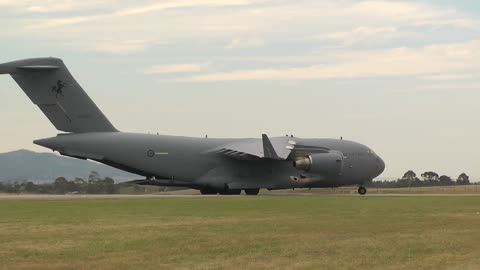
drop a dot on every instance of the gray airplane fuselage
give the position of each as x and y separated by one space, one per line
184 161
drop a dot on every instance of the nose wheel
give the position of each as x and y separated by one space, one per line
362 190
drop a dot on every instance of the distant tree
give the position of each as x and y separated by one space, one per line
93 177
8 187
430 178
463 179
409 175
109 185
80 185
17 187
430 175
60 186
409 179
445 180
45 189
79 181
93 186
30 187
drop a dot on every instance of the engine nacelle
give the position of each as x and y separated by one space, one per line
330 164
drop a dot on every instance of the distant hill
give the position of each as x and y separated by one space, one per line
29 165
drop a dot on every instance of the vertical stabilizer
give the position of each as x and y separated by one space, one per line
49 84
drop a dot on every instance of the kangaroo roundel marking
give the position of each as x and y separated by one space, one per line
58 88
150 153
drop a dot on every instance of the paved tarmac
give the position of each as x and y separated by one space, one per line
176 195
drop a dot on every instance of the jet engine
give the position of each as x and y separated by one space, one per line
325 163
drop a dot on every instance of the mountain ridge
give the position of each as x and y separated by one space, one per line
23 164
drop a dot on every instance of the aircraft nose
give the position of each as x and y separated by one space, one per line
380 166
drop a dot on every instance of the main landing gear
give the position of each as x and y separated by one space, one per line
208 191
362 190
252 191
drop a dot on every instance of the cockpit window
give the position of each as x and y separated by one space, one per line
370 152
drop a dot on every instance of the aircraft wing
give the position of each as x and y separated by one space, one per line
278 148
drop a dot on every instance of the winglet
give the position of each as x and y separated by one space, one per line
268 150
6 69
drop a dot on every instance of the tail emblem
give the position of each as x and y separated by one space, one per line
58 88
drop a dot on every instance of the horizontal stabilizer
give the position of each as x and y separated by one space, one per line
38 68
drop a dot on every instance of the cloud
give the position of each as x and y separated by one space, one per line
448 77
122 47
243 43
396 10
450 87
432 59
133 11
360 34
284 27
51 6
175 68
466 23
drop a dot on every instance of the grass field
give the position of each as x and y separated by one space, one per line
460 190
467 189
320 232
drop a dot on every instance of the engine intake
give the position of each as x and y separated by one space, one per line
325 163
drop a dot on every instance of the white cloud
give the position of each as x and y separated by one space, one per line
245 24
243 43
175 68
448 77
51 6
122 47
134 11
396 10
360 34
450 87
467 23
431 59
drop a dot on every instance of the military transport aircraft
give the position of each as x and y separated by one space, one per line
224 166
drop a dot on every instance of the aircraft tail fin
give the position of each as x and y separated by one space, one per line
268 149
49 84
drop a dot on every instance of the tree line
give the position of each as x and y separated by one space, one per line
428 179
93 185
98 185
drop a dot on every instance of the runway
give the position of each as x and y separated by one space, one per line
4 197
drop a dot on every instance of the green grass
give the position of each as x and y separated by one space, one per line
242 232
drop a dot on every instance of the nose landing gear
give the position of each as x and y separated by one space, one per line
362 190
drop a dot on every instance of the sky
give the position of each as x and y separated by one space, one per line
399 76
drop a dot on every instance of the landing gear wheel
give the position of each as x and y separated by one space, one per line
362 190
252 191
208 191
